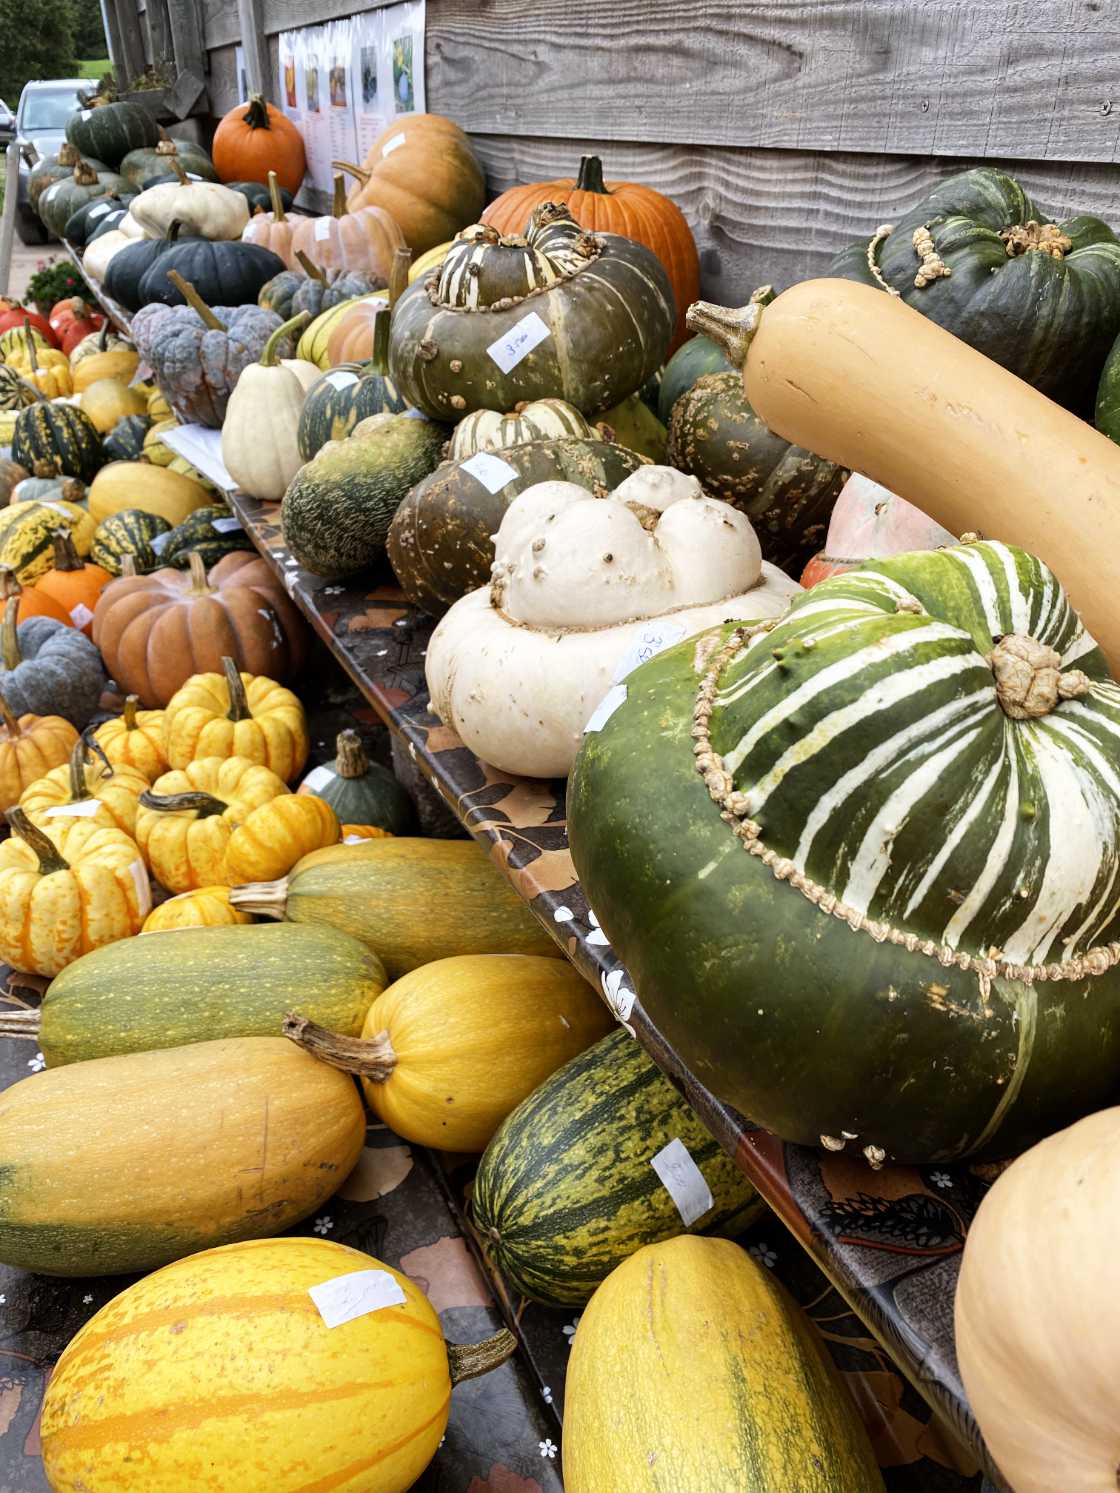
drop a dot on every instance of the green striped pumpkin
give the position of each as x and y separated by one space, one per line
915 960
197 532
541 420
61 433
565 1190
129 532
348 394
125 442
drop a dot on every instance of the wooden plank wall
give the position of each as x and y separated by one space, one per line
783 129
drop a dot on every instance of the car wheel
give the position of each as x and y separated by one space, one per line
30 230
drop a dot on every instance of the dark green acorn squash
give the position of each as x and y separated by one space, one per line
565 1190
147 165
62 199
882 911
197 533
223 273
129 265
276 294
100 212
361 791
54 168
257 195
319 290
15 393
61 433
787 493
441 541
111 131
125 442
347 394
694 358
602 302
129 532
337 510
979 258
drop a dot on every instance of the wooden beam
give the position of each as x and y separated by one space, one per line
254 43
159 31
129 61
186 37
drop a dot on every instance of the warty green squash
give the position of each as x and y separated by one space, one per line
895 814
694 358
200 984
567 1189
410 900
124 1163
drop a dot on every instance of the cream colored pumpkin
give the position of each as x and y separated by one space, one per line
205 208
95 261
537 420
259 445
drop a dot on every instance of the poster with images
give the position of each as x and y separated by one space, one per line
242 75
316 109
340 92
370 99
403 30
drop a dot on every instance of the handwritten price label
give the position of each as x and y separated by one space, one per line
651 641
353 1295
519 342
683 1180
491 471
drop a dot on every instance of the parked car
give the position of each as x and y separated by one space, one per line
7 123
44 108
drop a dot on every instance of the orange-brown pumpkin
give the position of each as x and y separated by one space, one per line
366 239
253 140
29 748
156 631
72 583
623 207
421 170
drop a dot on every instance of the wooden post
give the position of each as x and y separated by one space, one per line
159 32
128 60
254 42
188 42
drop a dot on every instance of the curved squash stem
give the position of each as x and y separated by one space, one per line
195 301
66 557
11 725
9 636
277 204
338 206
128 567
733 329
310 268
103 340
371 1057
351 169
238 704
20 1024
204 804
264 899
469 1360
379 357
199 585
398 275
351 760
129 716
269 357
49 858
85 749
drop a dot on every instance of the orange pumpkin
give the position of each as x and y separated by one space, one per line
354 335
273 230
73 583
421 170
29 748
366 239
255 139
31 602
623 207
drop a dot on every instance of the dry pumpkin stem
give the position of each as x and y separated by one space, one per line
874 244
49 857
66 557
129 713
277 201
469 1360
398 274
128 567
177 168
352 761
9 636
203 804
368 1057
195 302
238 704
1035 238
732 327
310 268
11 724
338 204
20 1024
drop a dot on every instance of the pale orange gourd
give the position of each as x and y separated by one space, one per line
277 835
135 739
29 748
237 715
365 239
273 230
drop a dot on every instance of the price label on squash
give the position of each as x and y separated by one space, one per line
319 778
651 641
519 342
160 542
354 1295
226 525
100 210
683 1180
341 380
80 614
606 707
84 809
85 113
490 470
394 144
322 229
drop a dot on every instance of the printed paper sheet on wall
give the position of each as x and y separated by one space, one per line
343 83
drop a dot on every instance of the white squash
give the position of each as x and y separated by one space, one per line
133 229
205 208
259 446
307 373
537 420
582 588
95 261
1038 1352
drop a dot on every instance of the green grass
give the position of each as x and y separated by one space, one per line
94 69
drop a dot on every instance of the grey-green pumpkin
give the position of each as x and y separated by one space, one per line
48 668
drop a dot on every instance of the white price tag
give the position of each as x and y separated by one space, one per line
193 176
322 229
318 777
394 144
349 1296
143 887
203 449
606 707
654 639
101 209
354 840
226 525
683 1181
159 543
490 470
341 380
84 809
80 614
85 113
519 342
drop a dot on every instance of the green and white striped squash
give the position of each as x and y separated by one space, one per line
868 905
566 1191
539 420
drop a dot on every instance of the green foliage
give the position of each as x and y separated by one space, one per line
54 280
44 39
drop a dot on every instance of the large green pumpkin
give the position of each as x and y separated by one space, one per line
55 168
348 394
560 313
111 131
146 163
891 929
692 360
62 199
441 543
979 258
566 1191
787 493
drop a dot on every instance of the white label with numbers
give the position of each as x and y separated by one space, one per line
519 342
101 209
318 778
683 1181
491 471
322 229
354 1295
80 614
226 525
652 640
341 380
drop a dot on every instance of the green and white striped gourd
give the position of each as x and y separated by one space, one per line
538 420
864 867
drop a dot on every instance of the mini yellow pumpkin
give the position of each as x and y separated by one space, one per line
66 890
135 739
186 820
30 747
206 907
86 787
277 835
236 715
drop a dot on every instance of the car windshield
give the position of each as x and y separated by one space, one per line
49 111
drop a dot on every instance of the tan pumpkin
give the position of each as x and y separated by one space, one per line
108 400
86 786
185 821
365 239
117 362
206 907
421 170
273 230
156 631
67 890
134 739
137 484
236 715
30 747
277 835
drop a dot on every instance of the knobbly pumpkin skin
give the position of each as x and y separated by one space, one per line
440 542
692 360
732 1388
30 746
787 493
204 907
135 740
165 1140
184 825
237 715
277 835
605 300
54 670
325 1411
